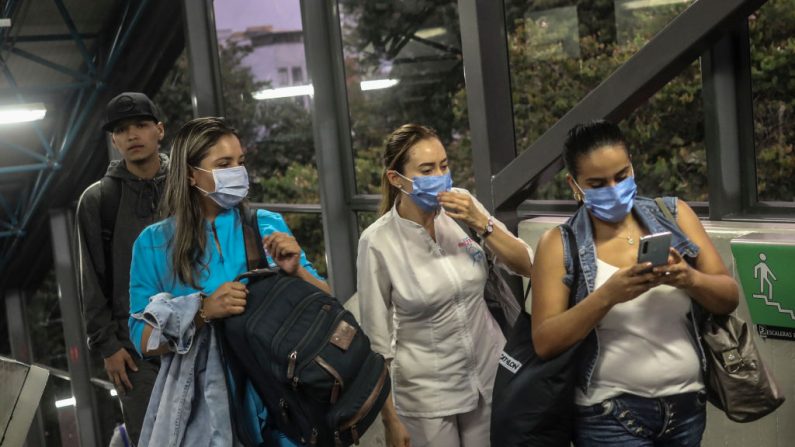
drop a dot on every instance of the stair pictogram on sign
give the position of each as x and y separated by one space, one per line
766 278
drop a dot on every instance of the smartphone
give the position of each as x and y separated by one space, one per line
654 248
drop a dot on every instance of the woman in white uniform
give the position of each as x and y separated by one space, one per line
420 285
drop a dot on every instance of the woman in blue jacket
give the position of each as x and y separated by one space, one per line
182 278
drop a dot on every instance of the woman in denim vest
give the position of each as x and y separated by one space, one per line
641 365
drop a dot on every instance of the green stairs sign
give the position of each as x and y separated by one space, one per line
765 264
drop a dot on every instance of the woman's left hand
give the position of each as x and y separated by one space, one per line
284 250
461 207
677 273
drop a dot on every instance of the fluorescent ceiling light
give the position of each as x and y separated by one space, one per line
428 33
22 113
640 4
285 92
376 84
64 402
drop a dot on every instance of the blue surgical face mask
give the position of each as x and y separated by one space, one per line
426 188
231 186
611 203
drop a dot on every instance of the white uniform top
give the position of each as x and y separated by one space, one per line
645 346
422 306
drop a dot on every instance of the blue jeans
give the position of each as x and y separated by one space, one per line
633 421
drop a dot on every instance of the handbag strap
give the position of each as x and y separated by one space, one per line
664 208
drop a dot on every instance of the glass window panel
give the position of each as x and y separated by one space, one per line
260 44
579 44
308 231
403 64
45 325
365 219
666 141
772 59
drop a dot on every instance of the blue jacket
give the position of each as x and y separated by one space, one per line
652 218
190 382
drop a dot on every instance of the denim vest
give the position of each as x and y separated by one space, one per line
650 217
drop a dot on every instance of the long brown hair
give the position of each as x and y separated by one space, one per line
396 154
182 201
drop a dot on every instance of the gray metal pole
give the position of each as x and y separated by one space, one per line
729 125
202 45
332 142
488 85
74 333
22 350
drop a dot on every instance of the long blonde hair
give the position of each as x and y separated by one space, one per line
183 202
396 155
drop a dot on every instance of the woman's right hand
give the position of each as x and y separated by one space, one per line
396 434
628 283
227 300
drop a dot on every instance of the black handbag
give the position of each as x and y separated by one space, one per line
737 381
533 399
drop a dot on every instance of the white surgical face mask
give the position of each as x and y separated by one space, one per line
231 186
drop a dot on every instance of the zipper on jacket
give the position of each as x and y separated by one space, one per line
283 407
313 438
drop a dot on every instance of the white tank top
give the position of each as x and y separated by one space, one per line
645 347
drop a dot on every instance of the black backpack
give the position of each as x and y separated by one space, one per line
307 358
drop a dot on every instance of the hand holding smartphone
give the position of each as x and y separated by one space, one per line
654 248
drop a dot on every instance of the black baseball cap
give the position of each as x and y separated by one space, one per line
129 105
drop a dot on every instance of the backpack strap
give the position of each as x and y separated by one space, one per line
109 198
255 253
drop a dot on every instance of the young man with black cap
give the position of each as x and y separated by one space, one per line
110 215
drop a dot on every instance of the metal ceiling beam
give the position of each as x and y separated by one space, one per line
52 37
660 60
78 117
81 46
24 150
49 64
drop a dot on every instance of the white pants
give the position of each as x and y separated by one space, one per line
459 430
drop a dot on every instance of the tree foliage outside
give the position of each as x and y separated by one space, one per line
772 59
